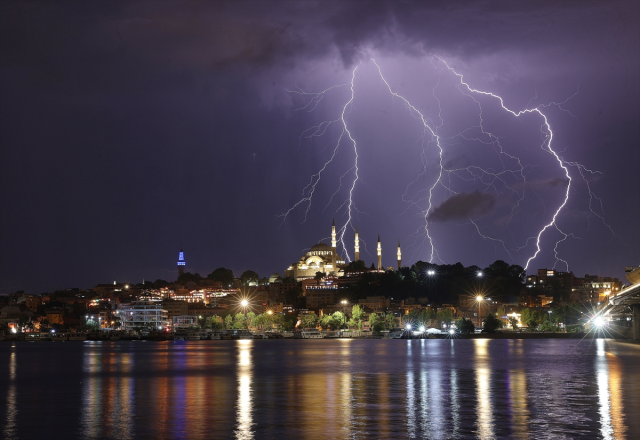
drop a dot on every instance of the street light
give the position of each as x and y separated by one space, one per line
344 313
479 299
480 274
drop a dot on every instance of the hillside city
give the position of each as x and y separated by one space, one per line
354 297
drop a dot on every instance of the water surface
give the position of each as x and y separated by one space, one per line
338 389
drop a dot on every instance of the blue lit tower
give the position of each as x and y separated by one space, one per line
181 262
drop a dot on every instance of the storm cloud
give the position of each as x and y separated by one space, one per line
463 206
115 111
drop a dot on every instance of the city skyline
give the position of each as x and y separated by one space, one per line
129 129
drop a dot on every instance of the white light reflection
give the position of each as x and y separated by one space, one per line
455 404
411 406
92 390
244 407
10 428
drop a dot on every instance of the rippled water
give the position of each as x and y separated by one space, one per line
275 389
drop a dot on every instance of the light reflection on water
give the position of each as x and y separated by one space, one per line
339 389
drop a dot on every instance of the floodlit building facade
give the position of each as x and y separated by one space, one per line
145 314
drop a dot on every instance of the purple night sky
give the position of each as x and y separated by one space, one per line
130 128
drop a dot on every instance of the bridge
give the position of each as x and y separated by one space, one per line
627 300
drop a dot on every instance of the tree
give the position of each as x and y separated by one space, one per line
376 322
188 276
390 320
465 326
250 319
490 323
445 315
355 266
249 277
228 322
532 322
239 321
225 276
319 276
357 312
513 322
309 320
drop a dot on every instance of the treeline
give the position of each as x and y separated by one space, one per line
440 284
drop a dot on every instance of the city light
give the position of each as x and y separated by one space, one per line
598 321
408 327
451 331
244 303
431 272
480 274
422 329
479 298
269 312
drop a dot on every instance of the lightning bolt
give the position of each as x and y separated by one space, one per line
488 178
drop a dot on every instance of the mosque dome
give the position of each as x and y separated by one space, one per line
321 247
274 277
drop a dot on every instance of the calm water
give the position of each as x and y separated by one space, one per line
316 389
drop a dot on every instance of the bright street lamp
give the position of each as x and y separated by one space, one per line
479 299
244 303
422 329
408 326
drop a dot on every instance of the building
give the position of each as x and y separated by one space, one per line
175 308
321 294
181 262
375 303
184 321
324 258
320 258
148 313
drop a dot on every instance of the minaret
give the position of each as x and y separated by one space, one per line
334 245
357 246
379 254
181 262
399 256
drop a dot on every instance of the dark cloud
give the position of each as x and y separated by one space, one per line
463 206
557 182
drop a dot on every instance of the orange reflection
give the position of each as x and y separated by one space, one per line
483 390
518 400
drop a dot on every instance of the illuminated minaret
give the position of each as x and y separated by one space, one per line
181 262
379 254
399 256
334 244
357 246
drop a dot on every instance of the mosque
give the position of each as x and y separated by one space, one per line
324 258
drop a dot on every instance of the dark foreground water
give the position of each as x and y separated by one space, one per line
320 389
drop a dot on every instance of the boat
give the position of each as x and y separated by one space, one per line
193 336
311 333
59 337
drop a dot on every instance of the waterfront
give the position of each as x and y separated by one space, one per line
544 388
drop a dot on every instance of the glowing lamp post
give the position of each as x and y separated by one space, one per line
344 313
479 299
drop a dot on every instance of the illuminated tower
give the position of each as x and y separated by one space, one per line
181 262
334 244
379 254
399 256
357 246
